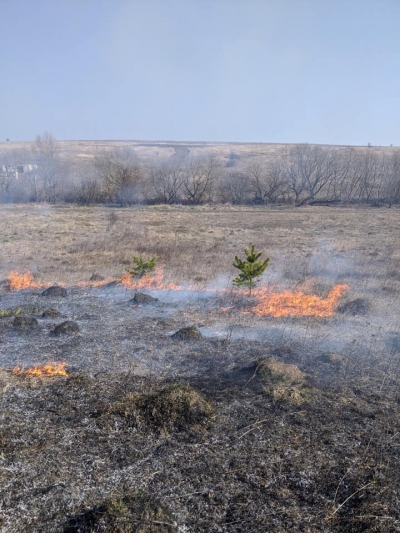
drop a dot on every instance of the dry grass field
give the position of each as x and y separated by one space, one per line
67 243
249 423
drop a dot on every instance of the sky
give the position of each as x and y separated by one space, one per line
275 71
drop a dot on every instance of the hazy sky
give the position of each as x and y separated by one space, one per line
323 71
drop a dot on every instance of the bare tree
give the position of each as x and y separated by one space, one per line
341 172
121 174
372 169
167 181
267 181
49 174
308 170
234 188
392 181
46 145
199 180
81 183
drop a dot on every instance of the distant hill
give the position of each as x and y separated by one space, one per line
153 150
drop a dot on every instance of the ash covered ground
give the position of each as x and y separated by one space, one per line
150 433
119 334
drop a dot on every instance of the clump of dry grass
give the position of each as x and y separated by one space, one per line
284 382
68 327
176 407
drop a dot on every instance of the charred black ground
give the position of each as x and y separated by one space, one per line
252 425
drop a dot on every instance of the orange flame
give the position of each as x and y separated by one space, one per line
290 303
286 303
154 281
16 281
41 371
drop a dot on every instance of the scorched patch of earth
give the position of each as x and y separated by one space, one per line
174 415
258 448
113 330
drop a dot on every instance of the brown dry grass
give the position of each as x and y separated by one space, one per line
70 243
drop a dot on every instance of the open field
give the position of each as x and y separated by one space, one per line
258 423
69 243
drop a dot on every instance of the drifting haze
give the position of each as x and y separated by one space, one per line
225 70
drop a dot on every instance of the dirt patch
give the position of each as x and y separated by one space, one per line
96 277
69 327
333 359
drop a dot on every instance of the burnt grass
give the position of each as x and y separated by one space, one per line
180 432
118 452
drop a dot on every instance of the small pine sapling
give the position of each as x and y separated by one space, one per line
250 268
141 267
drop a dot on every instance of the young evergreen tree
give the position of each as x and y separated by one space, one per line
250 268
141 267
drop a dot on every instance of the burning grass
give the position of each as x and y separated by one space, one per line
17 281
290 303
268 303
152 281
42 371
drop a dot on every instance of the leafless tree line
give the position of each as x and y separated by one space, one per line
300 175
313 175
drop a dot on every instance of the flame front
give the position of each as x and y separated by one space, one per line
268 303
288 303
41 371
16 281
154 281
